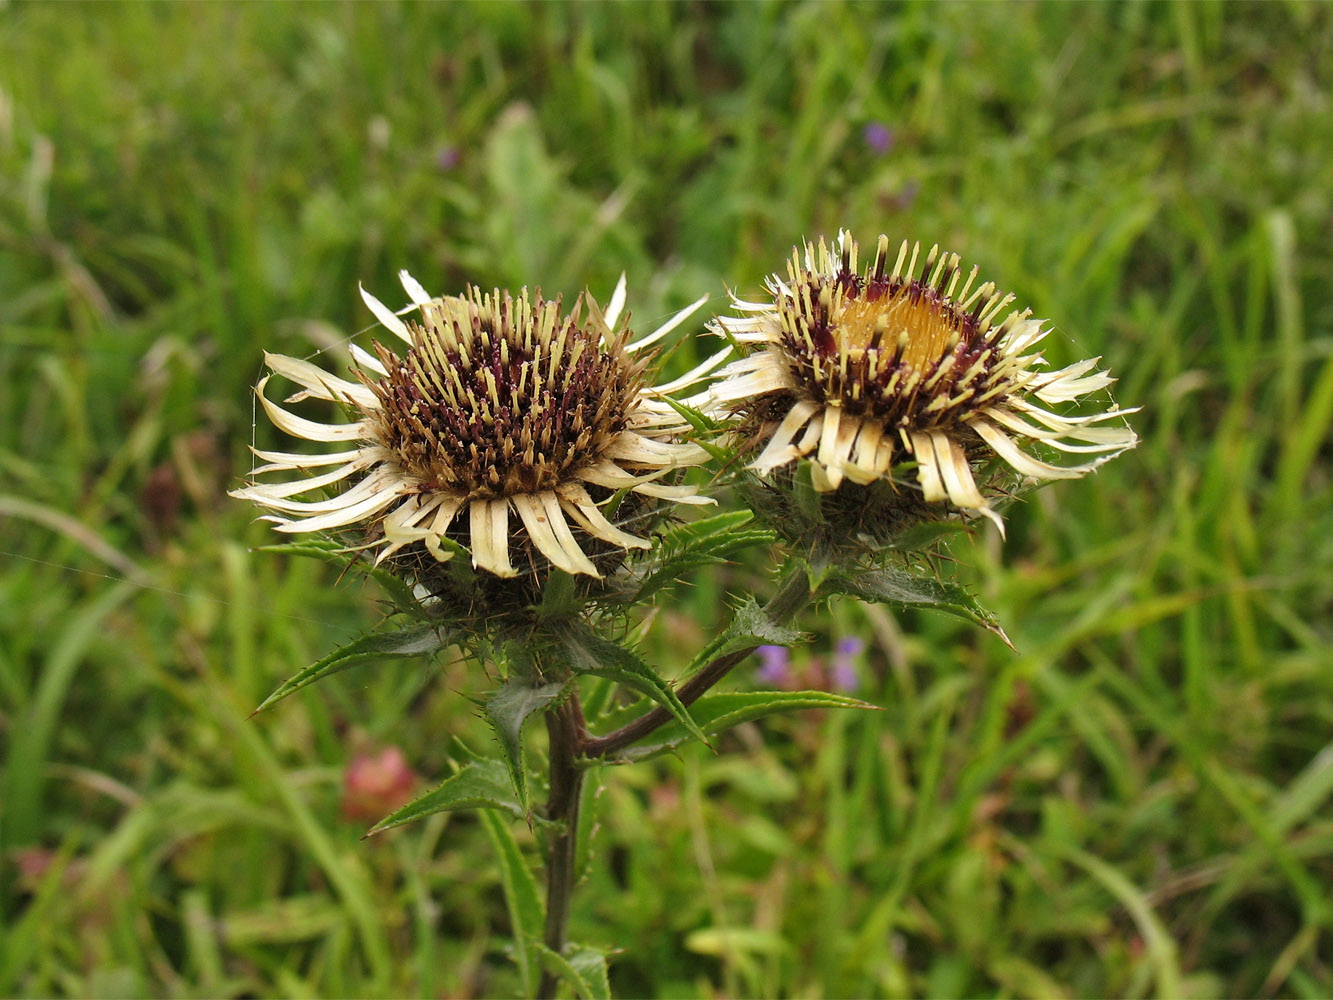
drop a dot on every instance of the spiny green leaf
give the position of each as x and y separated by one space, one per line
521 899
670 571
481 784
314 548
507 710
809 502
330 551
924 536
457 751
750 626
715 525
374 645
591 654
710 541
559 596
716 713
821 560
890 585
590 964
582 966
400 594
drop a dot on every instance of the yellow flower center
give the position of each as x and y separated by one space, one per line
929 324
908 347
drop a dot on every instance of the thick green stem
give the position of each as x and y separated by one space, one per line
564 726
570 741
792 596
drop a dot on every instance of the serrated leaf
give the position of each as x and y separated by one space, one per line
712 525
521 900
401 595
582 966
591 654
590 964
889 585
480 784
808 500
922 537
314 548
755 536
707 542
820 562
507 710
750 626
413 641
716 713
670 571
460 751
328 550
559 597
712 534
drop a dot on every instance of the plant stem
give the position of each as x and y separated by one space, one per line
570 741
792 596
564 726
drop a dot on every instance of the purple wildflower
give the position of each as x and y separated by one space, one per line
774 666
844 676
878 136
448 157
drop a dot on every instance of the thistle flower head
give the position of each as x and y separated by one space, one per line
908 360
502 424
501 397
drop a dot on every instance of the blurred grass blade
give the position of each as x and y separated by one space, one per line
20 935
521 900
77 532
21 819
1161 946
1305 794
342 868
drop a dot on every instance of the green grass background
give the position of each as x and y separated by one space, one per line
1134 804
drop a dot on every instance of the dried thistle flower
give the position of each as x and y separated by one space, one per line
500 405
863 371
